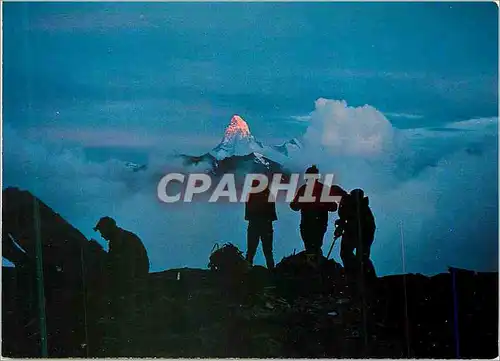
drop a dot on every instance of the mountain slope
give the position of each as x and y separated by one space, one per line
237 140
288 147
236 143
240 153
240 165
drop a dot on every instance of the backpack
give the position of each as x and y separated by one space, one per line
227 259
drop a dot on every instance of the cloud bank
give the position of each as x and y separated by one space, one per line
437 187
342 129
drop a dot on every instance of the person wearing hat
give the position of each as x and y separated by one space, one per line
314 213
357 227
127 256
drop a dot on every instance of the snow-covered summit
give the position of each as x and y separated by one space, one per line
237 140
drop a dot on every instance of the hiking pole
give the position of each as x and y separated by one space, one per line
335 237
331 247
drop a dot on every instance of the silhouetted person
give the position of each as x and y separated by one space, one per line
314 214
127 258
260 213
357 227
126 268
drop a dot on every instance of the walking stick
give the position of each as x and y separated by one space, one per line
334 239
331 247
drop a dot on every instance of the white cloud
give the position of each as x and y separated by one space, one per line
342 129
404 115
475 124
301 118
441 183
433 181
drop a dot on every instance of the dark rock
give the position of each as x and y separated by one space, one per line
234 310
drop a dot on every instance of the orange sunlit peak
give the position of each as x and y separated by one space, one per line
238 126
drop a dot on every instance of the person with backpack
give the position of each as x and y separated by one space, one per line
260 212
314 214
357 227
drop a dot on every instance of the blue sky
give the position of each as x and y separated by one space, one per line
186 67
129 80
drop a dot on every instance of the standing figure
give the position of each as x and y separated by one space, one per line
356 225
314 214
260 212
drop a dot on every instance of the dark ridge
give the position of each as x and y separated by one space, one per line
298 311
243 164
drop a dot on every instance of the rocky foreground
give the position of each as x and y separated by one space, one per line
297 311
198 313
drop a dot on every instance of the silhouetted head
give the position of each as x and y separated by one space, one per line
359 196
106 226
312 174
312 170
358 193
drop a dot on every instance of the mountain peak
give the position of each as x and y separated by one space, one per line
237 140
237 126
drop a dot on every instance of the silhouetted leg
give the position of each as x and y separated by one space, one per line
347 247
305 234
319 237
316 236
369 269
267 243
253 234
